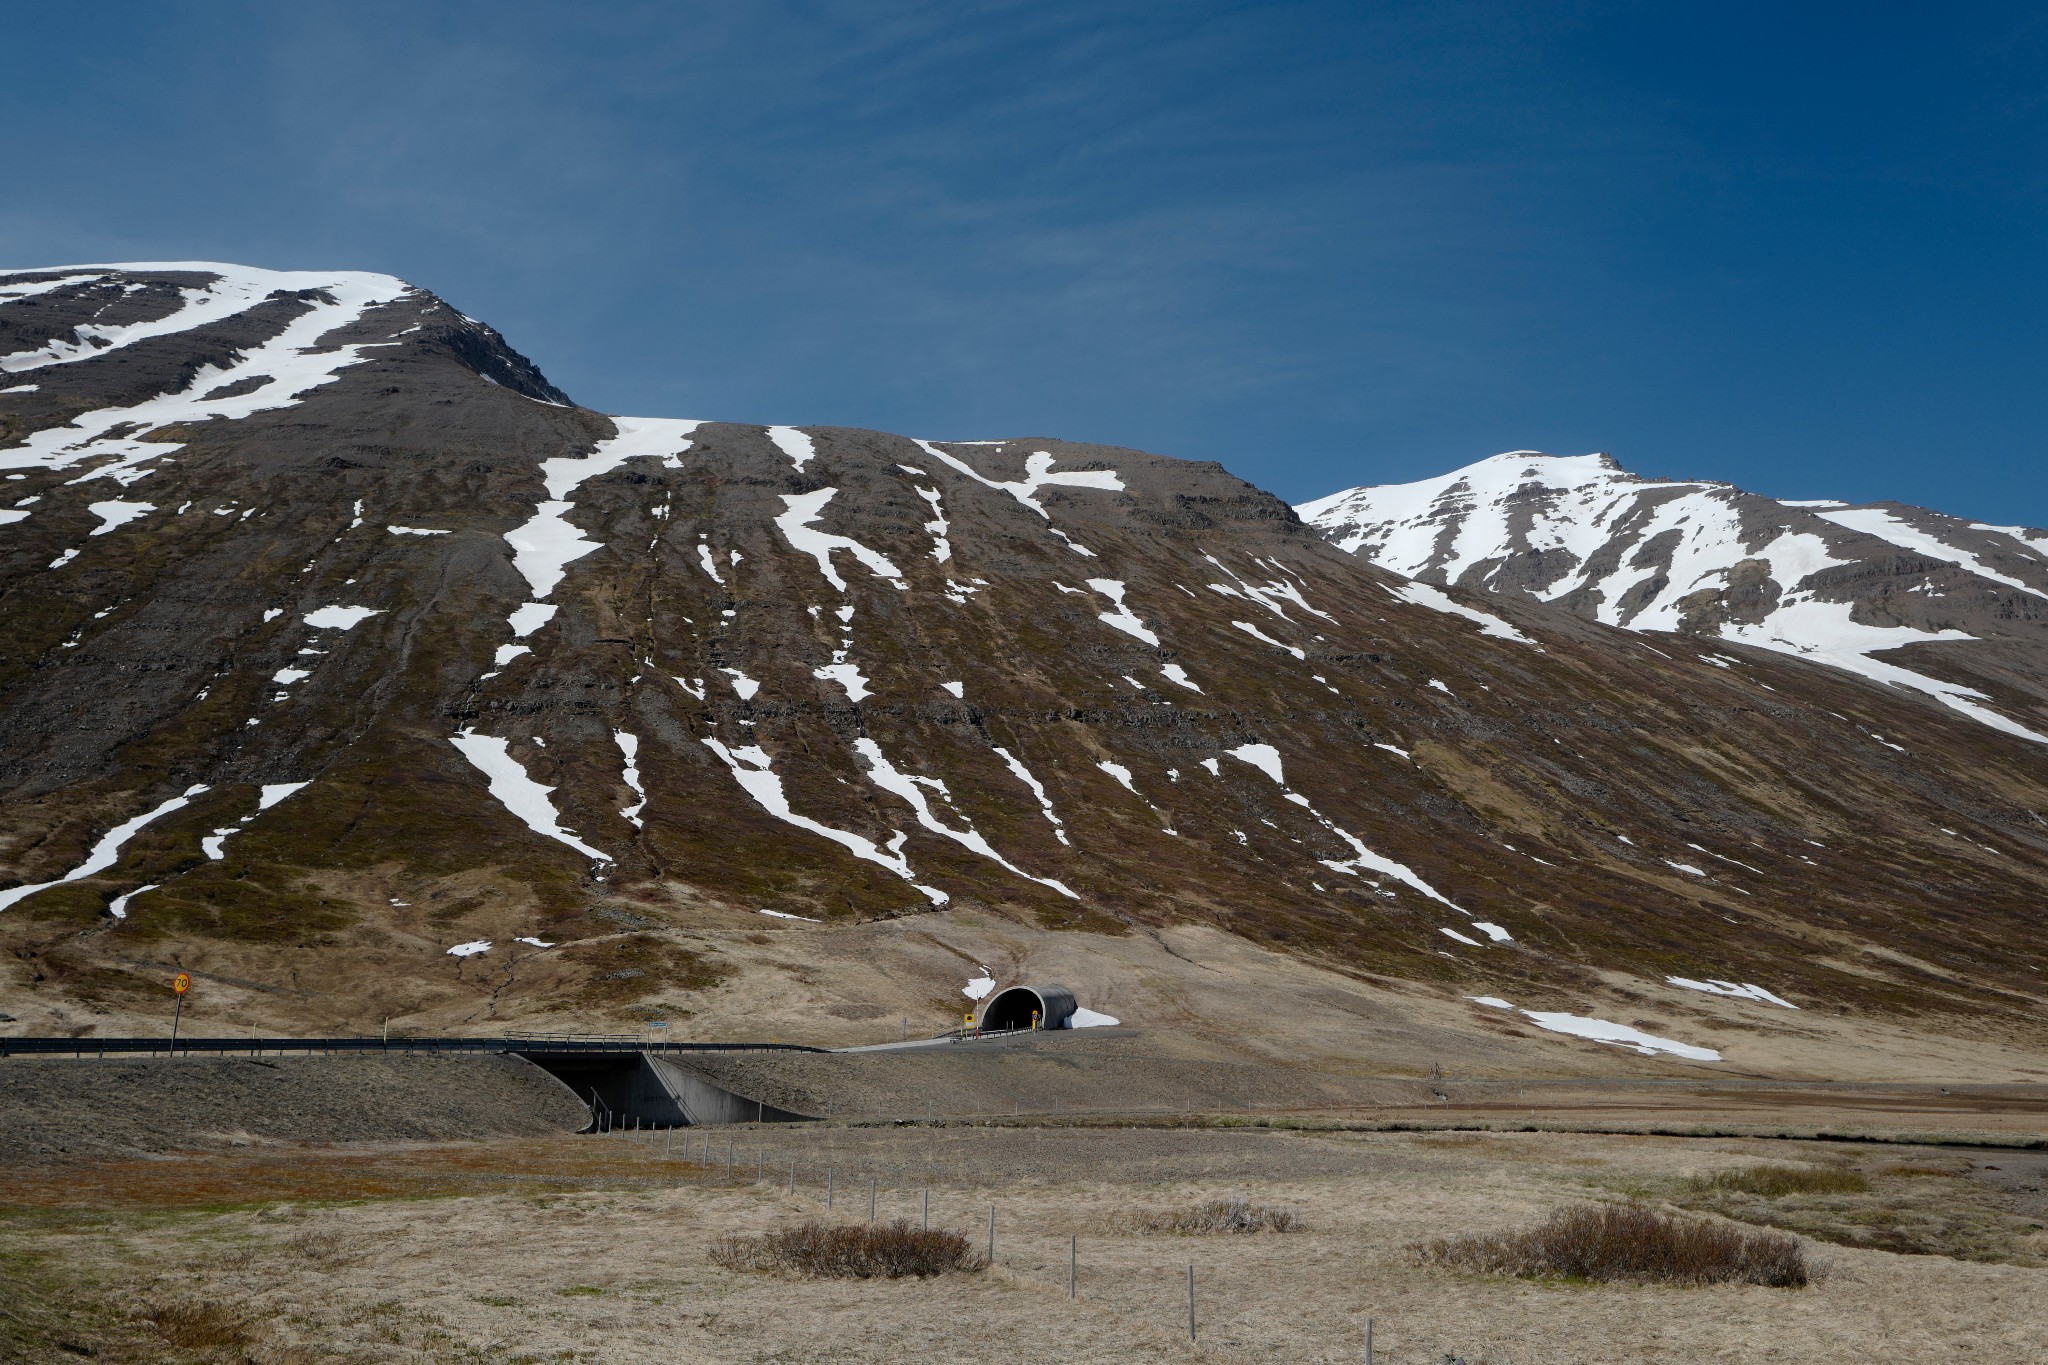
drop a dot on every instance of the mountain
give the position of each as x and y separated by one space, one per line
1958 609
347 663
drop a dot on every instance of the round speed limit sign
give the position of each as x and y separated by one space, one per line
182 982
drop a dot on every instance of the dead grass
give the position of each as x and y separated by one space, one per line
1609 1242
1233 1214
1775 1182
1909 1210
207 1180
204 1328
889 1251
607 1253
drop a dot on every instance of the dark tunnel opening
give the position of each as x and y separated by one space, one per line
1013 1008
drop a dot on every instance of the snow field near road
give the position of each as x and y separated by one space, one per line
1620 1035
1734 990
1602 1031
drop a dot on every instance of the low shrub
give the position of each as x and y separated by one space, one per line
1235 1214
1604 1242
891 1250
1775 1182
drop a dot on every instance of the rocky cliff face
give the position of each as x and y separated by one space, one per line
347 660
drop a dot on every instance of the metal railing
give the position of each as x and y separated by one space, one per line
510 1043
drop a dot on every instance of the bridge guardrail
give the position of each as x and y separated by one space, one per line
511 1043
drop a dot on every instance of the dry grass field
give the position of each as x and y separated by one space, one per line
601 1249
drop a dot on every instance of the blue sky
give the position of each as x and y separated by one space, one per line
1795 247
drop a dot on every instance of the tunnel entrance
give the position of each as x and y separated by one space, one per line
1013 1008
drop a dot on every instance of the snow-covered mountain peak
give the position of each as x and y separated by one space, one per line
1819 578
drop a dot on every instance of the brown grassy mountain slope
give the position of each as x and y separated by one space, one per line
613 683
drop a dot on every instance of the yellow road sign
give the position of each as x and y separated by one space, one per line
182 982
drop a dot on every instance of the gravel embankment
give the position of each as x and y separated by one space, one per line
53 1109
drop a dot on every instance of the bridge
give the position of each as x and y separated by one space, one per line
625 1079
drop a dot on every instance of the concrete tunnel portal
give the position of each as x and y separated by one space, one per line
1013 1008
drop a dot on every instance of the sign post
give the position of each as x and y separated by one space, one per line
180 983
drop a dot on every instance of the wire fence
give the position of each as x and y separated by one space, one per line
1151 1281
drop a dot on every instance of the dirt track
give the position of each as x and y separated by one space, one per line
1113 1074
62 1109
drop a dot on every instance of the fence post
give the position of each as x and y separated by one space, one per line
1368 1341
1073 1262
873 1183
1191 1302
991 1234
927 1215
828 1189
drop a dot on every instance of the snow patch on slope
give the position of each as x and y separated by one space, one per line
1738 991
517 792
1023 774
796 527
287 364
793 443
755 773
1121 618
1436 599
107 851
1266 759
889 778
